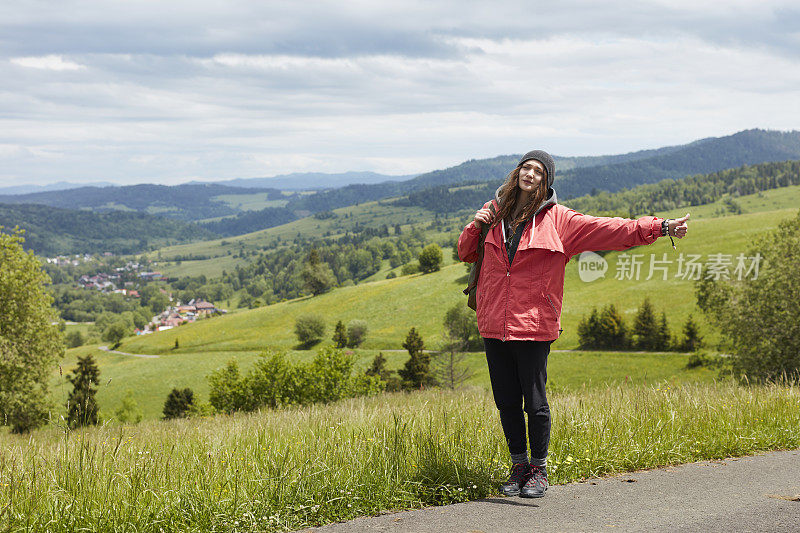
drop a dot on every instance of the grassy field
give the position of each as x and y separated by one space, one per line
250 202
391 307
293 468
370 214
151 380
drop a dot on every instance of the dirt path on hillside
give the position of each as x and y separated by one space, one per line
756 493
106 349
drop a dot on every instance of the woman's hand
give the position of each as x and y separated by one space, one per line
678 227
483 216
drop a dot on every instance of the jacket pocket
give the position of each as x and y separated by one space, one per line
555 311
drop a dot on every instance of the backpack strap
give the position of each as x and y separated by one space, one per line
473 282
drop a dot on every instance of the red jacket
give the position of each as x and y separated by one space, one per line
522 301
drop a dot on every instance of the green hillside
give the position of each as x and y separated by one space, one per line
53 231
391 307
189 201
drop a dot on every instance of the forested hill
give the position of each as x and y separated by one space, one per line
183 202
693 190
51 231
577 176
643 199
748 147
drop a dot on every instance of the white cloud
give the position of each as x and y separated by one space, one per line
237 89
49 62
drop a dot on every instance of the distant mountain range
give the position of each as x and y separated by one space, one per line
183 202
59 186
306 181
245 205
576 176
297 181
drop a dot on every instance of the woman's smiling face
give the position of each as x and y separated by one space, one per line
531 174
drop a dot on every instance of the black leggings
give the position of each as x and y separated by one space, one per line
518 370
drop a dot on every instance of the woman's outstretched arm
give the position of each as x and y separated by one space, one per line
583 233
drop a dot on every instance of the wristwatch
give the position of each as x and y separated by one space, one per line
665 227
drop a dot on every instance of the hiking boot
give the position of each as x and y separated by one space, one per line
536 484
518 477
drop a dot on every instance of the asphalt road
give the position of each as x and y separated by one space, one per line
756 493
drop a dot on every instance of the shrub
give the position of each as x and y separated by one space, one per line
226 389
75 339
128 412
178 403
430 258
409 268
356 333
275 382
309 329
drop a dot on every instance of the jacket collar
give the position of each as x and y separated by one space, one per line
541 234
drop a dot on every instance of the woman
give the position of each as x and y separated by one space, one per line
519 296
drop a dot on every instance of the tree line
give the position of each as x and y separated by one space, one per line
629 203
51 231
606 329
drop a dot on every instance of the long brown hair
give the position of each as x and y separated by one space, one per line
508 199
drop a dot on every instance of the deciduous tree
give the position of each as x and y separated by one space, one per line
30 340
760 318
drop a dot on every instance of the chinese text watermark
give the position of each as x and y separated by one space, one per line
592 266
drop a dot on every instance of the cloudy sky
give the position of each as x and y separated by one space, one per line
166 92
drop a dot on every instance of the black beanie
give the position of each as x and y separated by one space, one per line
545 159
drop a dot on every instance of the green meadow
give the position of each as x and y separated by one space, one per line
392 306
286 469
151 380
293 468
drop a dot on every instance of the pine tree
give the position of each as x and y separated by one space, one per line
340 335
416 371
691 337
612 333
645 330
178 403
82 409
378 368
589 331
663 339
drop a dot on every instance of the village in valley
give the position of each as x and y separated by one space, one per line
127 279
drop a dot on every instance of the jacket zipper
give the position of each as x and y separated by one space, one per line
508 279
551 304
505 315
554 310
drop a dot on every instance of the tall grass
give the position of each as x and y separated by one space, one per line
288 469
